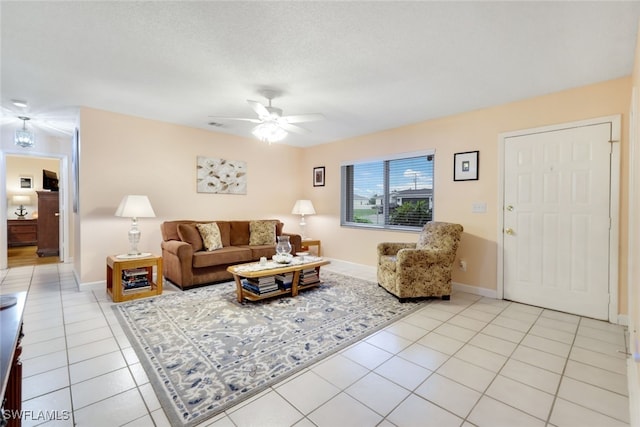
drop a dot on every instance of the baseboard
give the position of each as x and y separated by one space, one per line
92 286
475 290
634 391
623 320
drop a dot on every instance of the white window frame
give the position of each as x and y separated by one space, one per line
344 190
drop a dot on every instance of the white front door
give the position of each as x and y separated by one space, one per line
556 219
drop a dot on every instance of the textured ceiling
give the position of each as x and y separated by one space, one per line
366 66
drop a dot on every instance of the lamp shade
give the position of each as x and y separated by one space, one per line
303 207
21 199
133 206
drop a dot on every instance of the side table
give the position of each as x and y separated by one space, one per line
311 242
115 268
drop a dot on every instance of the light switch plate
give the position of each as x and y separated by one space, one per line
479 207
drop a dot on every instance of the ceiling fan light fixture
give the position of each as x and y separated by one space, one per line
269 132
24 138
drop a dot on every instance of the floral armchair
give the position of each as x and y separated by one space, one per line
422 269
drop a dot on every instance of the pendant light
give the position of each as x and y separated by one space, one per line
24 138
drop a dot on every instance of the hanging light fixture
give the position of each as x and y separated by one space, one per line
269 132
24 138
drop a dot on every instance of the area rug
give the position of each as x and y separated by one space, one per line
204 352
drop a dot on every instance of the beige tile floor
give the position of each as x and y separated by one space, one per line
471 361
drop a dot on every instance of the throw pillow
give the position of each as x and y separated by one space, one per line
190 234
210 236
262 233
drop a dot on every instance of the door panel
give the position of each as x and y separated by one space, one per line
556 241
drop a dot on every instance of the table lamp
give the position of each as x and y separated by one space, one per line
135 207
21 200
303 207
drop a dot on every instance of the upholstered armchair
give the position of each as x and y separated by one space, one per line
422 269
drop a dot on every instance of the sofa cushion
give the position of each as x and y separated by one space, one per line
190 234
262 233
210 236
258 251
224 256
225 232
239 233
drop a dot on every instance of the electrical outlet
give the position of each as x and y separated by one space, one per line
463 265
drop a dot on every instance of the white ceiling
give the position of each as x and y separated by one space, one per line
366 66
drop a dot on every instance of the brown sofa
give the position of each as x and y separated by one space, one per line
187 264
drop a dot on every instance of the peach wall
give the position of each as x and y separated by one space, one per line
123 155
476 130
134 155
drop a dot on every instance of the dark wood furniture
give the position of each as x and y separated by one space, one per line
10 364
48 224
22 232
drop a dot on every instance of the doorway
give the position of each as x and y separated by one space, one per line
558 226
24 178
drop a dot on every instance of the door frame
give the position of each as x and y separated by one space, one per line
614 201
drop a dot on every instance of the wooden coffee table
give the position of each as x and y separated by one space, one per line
241 271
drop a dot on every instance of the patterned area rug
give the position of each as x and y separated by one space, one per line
204 352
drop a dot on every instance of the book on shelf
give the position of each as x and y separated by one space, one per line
260 289
136 289
284 281
309 276
134 272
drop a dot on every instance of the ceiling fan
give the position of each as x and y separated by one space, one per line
272 125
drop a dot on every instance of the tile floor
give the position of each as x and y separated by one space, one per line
471 361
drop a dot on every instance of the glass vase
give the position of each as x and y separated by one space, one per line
283 247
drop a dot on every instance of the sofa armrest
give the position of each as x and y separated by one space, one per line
296 242
177 260
391 248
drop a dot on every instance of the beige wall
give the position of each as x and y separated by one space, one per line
127 155
123 155
477 130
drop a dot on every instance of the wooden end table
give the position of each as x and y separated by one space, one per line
312 242
115 267
243 294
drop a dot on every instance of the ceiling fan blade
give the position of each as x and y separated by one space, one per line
299 118
294 128
260 109
244 119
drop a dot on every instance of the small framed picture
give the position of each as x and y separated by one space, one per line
466 166
318 176
26 182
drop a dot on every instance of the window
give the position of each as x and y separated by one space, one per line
389 193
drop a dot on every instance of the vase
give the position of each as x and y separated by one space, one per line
283 247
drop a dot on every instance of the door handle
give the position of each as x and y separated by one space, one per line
57 214
509 231
510 208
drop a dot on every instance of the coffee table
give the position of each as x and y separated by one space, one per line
254 270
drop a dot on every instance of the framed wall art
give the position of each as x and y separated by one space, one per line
318 176
221 176
26 182
466 166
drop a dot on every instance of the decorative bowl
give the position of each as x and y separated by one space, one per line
283 259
